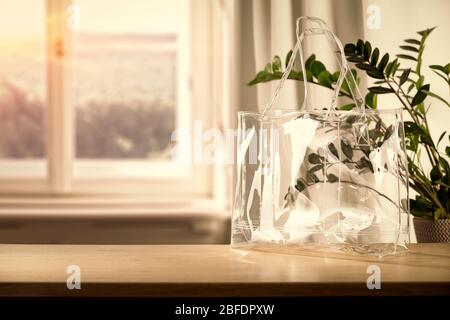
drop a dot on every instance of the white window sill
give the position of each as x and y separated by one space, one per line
107 207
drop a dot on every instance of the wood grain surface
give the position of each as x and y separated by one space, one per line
216 270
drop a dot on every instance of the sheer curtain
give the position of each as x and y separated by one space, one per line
263 28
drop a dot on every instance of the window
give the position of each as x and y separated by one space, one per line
22 89
129 86
91 92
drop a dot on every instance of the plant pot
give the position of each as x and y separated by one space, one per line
432 231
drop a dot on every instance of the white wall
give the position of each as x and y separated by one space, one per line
400 19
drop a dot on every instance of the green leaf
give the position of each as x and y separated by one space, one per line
376 133
409 48
447 151
441 76
317 67
355 59
365 150
425 33
363 163
346 148
413 41
435 174
395 67
333 150
412 129
412 143
421 108
276 64
347 107
360 47
447 68
446 167
440 68
335 76
309 76
349 49
421 207
389 68
300 185
316 168
404 76
298 75
439 214
324 79
374 57
260 77
365 66
380 90
388 133
294 75
288 58
309 61
371 100
383 62
367 50
441 137
311 177
351 119
406 57
314 158
420 95
332 178
268 68
375 74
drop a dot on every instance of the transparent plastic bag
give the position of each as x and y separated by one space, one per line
322 178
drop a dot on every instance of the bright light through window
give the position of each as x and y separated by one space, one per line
127 82
91 93
22 88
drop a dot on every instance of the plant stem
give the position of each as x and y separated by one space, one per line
367 187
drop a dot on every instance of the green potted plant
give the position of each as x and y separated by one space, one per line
431 204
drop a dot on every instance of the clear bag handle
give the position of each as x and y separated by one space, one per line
345 72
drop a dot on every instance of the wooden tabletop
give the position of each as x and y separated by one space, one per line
216 270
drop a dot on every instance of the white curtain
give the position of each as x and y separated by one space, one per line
264 28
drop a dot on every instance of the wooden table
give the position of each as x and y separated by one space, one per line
215 270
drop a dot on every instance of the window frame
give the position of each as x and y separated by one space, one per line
206 90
